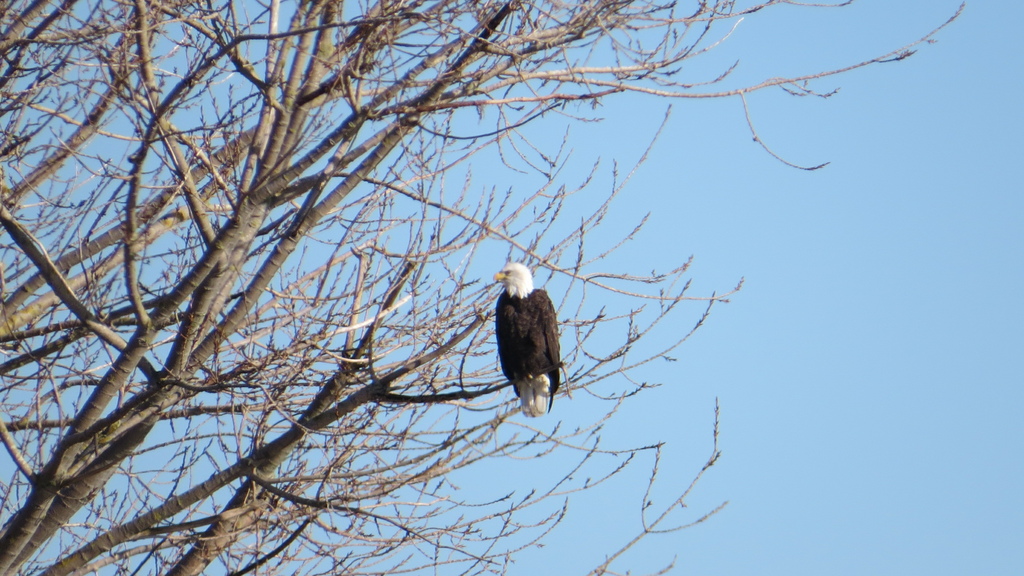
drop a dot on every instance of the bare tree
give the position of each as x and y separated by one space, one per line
246 278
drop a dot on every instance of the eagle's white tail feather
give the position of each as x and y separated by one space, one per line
534 395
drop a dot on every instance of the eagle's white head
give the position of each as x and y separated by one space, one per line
516 279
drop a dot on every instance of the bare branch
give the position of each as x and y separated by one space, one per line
246 292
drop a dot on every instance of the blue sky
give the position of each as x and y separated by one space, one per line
869 373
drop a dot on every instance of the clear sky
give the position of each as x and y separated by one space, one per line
869 372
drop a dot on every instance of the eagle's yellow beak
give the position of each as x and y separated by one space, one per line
499 276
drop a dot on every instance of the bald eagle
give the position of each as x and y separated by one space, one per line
527 331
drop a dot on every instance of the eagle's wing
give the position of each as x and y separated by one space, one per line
549 324
503 332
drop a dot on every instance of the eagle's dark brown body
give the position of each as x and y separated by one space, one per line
527 330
